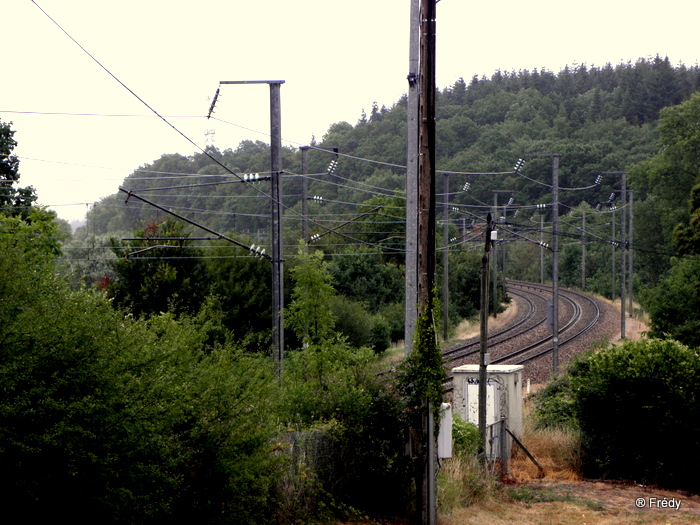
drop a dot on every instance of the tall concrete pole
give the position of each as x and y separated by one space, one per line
276 215
413 118
277 256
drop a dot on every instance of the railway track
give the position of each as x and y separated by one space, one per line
527 340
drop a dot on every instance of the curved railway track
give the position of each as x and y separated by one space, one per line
527 340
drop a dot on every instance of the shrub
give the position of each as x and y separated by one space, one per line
554 404
352 320
636 405
380 334
465 437
337 389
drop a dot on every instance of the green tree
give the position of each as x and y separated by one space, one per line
158 273
667 180
114 420
309 314
13 201
363 275
340 392
674 304
241 286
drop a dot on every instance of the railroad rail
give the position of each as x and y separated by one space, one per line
527 340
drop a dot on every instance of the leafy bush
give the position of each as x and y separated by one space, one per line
337 389
636 405
394 315
352 320
554 403
465 437
380 334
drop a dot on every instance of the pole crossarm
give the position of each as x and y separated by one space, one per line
218 235
334 230
225 82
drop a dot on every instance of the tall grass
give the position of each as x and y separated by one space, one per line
462 482
556 449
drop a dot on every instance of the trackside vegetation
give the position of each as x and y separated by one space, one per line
634 406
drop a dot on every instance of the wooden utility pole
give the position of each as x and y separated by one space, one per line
426 230
421 218
426 160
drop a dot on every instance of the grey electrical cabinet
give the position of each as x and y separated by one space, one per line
504 396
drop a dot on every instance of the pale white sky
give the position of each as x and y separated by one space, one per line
336 57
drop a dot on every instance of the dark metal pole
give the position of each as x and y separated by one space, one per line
630 245
426 161
623 261
446 260
277 256
612 257
305 194
495 255
426 227
483 331
541 249
555 264
583 251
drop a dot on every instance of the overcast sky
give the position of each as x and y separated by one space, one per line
81 133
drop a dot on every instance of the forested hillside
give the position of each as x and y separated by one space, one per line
600 120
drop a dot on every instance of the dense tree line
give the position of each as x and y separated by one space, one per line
599 119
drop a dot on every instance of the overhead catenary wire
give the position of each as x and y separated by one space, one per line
166 121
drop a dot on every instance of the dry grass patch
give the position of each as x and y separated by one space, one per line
557 450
